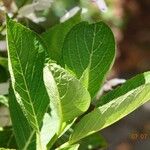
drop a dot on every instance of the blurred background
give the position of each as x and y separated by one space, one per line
130 23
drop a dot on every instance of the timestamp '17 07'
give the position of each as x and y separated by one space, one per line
139 136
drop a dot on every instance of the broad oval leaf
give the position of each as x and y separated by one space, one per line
89 51
119 105
54 37
26 58
68 95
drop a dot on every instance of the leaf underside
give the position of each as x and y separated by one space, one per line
69 98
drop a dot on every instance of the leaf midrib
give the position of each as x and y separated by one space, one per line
27 89
28 141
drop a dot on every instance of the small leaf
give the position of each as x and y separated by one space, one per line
54 37
26 58
117 104
89 51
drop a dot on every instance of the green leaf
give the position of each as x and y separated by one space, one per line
69 98
25 135
3 74
26 58
129 85
6 149
65 90
54 37
4 62
50 123
68 147
89 51
21 3
94 141
7 138
72 147
3 69
121 102
63 138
